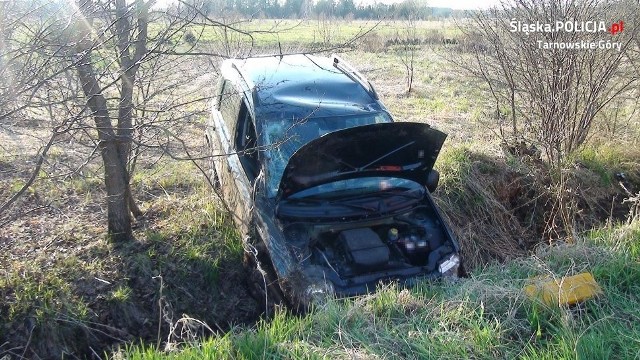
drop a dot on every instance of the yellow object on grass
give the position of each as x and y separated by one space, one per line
564 291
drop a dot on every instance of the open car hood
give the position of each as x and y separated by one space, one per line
404 150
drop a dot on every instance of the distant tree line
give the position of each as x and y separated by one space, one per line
295 9
285 9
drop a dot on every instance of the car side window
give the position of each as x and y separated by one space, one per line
246 143
230 101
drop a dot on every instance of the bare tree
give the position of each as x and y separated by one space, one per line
114 140
326 29
546 76
33 85
97 76
91 58
409 45
552 69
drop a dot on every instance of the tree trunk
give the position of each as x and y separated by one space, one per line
119 221
115 175
129 68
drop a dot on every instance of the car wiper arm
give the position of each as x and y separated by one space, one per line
338 160
386 155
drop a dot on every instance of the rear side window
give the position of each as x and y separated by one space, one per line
219 92
246 142
230 101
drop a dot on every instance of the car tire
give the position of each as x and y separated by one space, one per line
263 285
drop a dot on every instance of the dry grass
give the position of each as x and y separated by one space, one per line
480 196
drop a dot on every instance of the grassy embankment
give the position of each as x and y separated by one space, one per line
485 316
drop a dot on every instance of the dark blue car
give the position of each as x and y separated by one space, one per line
328 192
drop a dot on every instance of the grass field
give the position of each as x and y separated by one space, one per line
270 33
66 290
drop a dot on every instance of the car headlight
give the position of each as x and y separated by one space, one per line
318 292
449 267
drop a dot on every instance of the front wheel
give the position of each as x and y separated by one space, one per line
262 280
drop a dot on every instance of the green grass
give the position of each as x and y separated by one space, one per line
16 185
454 164
486 316
621 239
121 294
606 159
41 295
45 305
64 283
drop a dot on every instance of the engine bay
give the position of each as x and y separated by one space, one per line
413 240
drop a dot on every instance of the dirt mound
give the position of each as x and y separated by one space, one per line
500 207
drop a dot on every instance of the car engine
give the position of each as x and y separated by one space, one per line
403 241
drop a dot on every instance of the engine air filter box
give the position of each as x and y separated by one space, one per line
364 248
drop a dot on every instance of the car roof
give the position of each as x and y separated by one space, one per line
300 85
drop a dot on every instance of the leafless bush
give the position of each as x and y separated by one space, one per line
548 83
235 42
550 96
436 37
408 49
478 206
373 42
619 118
325 29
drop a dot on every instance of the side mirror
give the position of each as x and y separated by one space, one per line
432 180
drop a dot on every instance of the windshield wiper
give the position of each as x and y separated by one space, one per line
386 155
338 160
364 167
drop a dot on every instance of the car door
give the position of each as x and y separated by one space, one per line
244 166
229 123
218 133
214 135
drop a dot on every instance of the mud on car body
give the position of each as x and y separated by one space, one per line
332 192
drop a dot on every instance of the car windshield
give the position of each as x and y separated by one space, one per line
285 136
348 188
